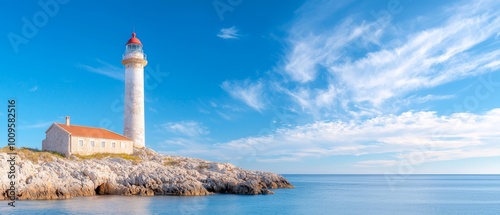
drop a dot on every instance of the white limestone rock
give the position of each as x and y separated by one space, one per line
155 174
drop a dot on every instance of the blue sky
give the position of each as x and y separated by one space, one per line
303 87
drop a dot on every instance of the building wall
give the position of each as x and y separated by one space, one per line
56 140
88 149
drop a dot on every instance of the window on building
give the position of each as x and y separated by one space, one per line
122 144
103 143
113 144
80 142
92 143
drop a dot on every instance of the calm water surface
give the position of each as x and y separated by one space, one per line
314 194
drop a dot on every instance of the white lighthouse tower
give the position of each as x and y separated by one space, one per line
134 60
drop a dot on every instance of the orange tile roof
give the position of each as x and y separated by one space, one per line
85 131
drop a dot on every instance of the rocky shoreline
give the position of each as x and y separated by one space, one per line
152 174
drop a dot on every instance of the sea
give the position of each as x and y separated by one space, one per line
313 194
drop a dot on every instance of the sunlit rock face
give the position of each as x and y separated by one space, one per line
150 174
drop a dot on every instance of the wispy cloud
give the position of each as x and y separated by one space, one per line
427 98
452 137
33 89
152 109
247 92
188 128
229 33
309 53
368 63
36 125
429 58
106 69
377 163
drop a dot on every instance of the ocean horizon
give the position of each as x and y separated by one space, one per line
313 194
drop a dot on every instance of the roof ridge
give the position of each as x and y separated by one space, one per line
77 125
62 125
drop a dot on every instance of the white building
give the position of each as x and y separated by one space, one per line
70 139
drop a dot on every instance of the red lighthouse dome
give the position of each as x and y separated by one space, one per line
134 40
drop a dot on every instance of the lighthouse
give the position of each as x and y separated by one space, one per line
134 61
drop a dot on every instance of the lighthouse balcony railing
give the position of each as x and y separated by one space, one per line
136 54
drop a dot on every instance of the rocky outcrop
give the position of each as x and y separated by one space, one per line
152 174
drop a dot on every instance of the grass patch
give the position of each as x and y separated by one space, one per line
34 155
203 166
169 162
5 149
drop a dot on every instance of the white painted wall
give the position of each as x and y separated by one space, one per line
134 103
88 149
56 140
